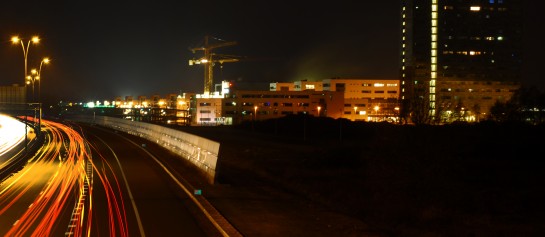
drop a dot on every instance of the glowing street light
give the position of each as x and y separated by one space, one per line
255 116
255 112
17 40
44 61
397 114
355 112
376 112
319 107
32 78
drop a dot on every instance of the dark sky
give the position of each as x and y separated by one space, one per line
101 50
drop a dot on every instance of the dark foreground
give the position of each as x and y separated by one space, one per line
320 177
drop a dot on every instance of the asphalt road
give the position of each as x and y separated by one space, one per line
88 180
155 205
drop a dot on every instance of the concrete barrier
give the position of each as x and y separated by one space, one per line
201 152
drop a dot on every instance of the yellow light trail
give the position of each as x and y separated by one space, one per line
57 178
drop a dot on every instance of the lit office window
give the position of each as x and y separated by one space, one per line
475 8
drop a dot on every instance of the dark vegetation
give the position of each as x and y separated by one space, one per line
484 179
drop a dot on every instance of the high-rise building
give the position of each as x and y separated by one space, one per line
457 41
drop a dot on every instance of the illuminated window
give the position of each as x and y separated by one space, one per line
500 38
475 8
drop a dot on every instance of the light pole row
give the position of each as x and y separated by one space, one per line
35 74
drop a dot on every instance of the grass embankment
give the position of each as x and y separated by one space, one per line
458 180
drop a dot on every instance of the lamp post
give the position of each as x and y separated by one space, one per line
255 112
355 112
376 112
255 117
31 79
44 61
17 40
398 119
319 107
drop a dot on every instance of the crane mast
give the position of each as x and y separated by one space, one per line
209 59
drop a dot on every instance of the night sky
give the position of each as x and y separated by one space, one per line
101 50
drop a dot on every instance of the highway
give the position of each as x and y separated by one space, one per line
12 134
91 181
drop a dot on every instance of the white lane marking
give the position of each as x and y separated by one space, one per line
140 226
189 193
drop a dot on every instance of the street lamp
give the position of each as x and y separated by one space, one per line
255 112
46 61
319 107
376 112
32 78
255 117
355 111
16 40
398 119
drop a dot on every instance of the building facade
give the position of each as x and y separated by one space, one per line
457 41
373 100
13 94
13 99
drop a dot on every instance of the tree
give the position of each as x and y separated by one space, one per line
420 105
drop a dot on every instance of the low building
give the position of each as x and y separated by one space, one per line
260 105
373 100
471 100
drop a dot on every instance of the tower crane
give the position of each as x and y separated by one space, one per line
209 59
